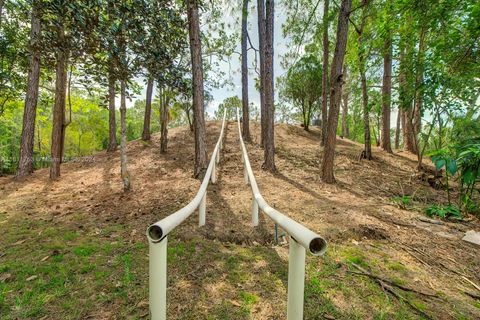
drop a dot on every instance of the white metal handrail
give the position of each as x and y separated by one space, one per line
301 238
157 235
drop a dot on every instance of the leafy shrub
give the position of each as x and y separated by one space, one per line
444 212
469 164
441 158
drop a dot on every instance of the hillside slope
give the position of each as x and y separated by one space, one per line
76 248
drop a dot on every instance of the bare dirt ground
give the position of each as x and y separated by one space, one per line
91 236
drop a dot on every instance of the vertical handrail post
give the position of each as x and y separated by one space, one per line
158 279
201 210
296 280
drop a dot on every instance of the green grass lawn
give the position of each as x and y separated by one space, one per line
62 271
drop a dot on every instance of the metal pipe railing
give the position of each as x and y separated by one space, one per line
301 238
157 235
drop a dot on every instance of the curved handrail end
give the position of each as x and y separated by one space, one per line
318 246
154 233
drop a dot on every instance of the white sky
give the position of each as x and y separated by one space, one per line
232 24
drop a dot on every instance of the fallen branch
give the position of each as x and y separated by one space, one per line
471 282
387 285
390 282
471 294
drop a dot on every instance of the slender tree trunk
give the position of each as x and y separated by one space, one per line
1 12
419 85
39 140
325 88
345 131
269 139
148 111
304 115
190 124
25 164
406 105
336 78
409 132
112 126
397 129
201 159
387 95
58 128
367 152
245 111
440 131
261 49
163 122
308 116
123 142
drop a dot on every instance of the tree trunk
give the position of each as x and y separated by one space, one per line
58 128
123 142
201 159
245 111
39 140
261 48
112 126
387 95
336 78
419 85
308 116
397 129
345 130
367 151
148 111
25 164
269 139
190 124
163 122
409 132
1 12
325 74
406 105
440 131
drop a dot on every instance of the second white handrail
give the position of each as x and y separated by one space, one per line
301 238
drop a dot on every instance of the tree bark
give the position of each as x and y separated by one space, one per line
367 151
387 95
58 128
123 142
325 74
163 122
1 11
406 105
345 130
148 111
112 126
409 132
336 78
397 129
261 48
201 159
269 139
25 165
419 85
245 111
